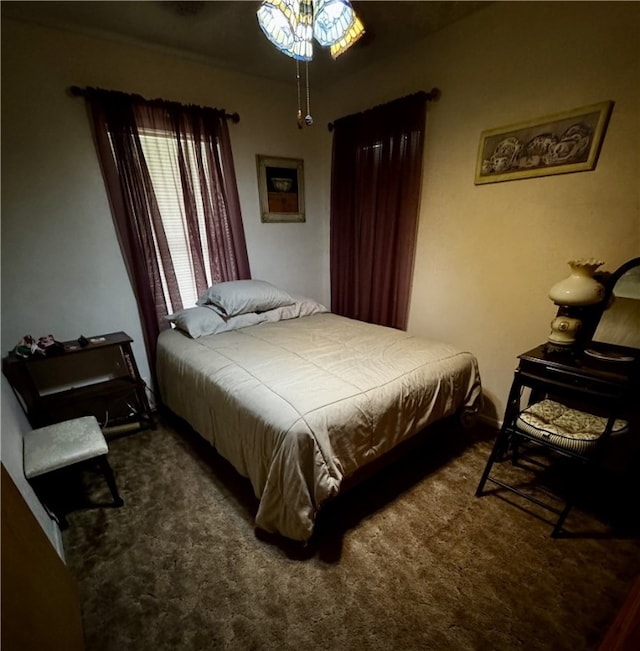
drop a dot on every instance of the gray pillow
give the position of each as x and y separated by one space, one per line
243 296
197 321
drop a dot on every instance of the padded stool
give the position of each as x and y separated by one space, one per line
61 446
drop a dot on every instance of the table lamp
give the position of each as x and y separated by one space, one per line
572 294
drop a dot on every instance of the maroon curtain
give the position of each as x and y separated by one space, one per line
375 195
118 119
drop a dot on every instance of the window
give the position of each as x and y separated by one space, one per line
169 174
161 154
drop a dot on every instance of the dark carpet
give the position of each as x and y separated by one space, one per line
407 560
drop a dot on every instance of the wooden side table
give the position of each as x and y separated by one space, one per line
100 378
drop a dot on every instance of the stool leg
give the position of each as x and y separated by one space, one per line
111 482
515 449
577 486
557 529
499 447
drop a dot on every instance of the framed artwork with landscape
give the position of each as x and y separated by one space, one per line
281 189
555 144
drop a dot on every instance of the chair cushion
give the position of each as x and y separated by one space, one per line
62 444
566 428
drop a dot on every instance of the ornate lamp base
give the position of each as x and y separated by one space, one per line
564 331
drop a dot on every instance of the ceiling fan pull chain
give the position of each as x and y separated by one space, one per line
299 120
308 119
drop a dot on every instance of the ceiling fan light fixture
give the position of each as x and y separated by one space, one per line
291 26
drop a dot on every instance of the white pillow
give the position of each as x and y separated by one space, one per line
242 296
197 321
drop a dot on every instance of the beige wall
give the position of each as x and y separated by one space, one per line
487 255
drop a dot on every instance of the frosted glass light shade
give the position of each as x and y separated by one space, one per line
579 288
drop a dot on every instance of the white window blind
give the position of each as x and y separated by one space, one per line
161 154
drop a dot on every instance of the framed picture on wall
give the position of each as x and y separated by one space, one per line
555 144
281 189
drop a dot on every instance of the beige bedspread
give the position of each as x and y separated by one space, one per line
298 405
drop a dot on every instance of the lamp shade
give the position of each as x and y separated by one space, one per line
580 287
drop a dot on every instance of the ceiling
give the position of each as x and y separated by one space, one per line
226 34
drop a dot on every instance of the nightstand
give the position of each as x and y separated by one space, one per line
100 378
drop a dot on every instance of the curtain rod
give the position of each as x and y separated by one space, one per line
432 96
76 91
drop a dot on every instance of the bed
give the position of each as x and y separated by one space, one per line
298 399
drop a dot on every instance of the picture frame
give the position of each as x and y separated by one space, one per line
280 189
556 144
